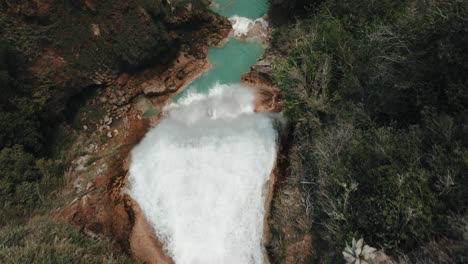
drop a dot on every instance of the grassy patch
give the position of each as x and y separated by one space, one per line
46 241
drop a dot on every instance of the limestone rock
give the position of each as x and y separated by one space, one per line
154 87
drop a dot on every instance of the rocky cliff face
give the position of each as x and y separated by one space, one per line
69 46
98 176
131 57
122 60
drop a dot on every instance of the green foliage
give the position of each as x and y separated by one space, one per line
18 182
23 37
154 9
21 125
391 203
23 185
378 94
82 44
25 182
129 39
17 166
46 241
287 10
401 80
135 48
6 63
19 114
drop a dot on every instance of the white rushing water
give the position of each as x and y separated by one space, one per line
199 177
243 25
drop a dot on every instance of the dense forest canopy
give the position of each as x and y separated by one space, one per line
52 52
377 91
30 94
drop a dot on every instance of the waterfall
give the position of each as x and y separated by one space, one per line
242 25
199 177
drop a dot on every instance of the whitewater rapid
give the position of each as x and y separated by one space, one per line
242 25
199 177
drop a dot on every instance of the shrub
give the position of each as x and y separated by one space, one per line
25 182
46 241
377 95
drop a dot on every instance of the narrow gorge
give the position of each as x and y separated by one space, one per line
200 176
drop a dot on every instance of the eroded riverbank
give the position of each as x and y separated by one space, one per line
119 208
203 175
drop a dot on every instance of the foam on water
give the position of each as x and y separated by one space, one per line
242 25
200 175
229 63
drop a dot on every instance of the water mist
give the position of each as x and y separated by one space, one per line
199 177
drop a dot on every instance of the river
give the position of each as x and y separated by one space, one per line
200 175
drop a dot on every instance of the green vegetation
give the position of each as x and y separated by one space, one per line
377 92
285 11
87 43
46 241
51 52
27 175
91 39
